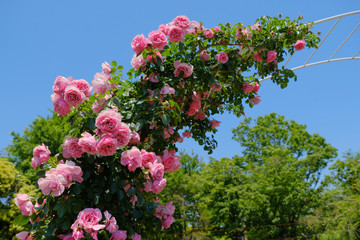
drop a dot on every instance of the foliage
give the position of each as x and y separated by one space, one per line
178 89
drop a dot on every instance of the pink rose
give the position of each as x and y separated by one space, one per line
108 121
147 185
83 86
137 61
167 222
204 56
216 87
222 57
167 90
40 155
247 87
73 96
216 29
255 100
271 56
22 201
158 39
186 134
134 138
170 161
215 123
257 57
157 171
52 182
89 219
148 158
153 77
24 235
256 87
88 143
208 33
118 235
181 22
76 171
61 107
106 146
106 68
60 84
139 43
65 147
158 185
74 149
131 158
186 68
111 224
101 83
136 237
122 134
176 34
299 45
256 26
164 29
200 115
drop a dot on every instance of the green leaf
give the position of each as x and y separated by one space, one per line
21 220
120 67
91 123
165 119
181 46
132 191
113 63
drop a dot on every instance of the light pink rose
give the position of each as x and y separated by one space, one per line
148 158
74 148
106 146
111 224
158 39
40 155
88 143
163 28
106 68
108 121
176 34
136 237
169 208
247 87
83 86
24 235
158 185
257 57
101 83
271 56
118 235
75 171
167 90
139 43
186 134
60 84
73 96
204 56
222 57
170 161
255 100
214 123
122 134
181 22
186 68
89 219
52 182
22 201
61 107
256 26
208 33
167 222
157 171
131 158
137 61
299 45
65 147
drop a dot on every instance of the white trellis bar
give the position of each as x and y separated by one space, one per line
330 59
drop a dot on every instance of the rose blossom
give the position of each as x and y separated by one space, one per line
208 33
147 158
170 161
73 96
186 134
200 115
139 43
122 134
88 143
24 235
186 68
74 149
167 222
40 155
108 121
83 86
157 171
118 235
89 219
158 39
164 29
136 237
255 100
138 61
257 57
134 138
204 56
167 90
52 182
131 158
61 107
111 224
299 45
106 68
271 56
181 22
247 87
106 146
101 83
256 87
222 57
215 123
22 201
176 34
158 185
60 84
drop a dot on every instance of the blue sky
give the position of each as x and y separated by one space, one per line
41 40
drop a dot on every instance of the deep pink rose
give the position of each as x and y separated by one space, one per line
200 115
153 77
157 171
186 68
118 235
131 158
215 123
106 68
204 56
60 84
255 100
181 22
139 43
108 121
176 34
40 155
158 39
299 45
61 107
208 33
73 96
122 134
83 86
222 57
257 57
138 61
256 87
89 219
186 134
271 56
106 146
169 208
158 185
101 83
88 143
166 223
247 87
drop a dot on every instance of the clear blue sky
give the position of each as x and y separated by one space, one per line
41 40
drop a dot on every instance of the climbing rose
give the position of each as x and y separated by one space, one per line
255 100
40 155
122 134
158 39
139 43
60 84
131 158
186 68
101 83
204 56
73 96
61 107
186 134
157 171
208 33
176 34
136 237
222 57
83 86
138 61
256 87
299 45
88 143
167 222
158 185
24 235
257 57
181 22
247 87
271 56
89 219
106 68
170 161
106 146
148 158
108 121
74 148
215 123
22 201
118 235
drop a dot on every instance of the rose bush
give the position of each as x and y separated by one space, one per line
103 184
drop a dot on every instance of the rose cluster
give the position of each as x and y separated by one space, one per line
165 212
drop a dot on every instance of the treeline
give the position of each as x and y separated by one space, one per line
277 188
